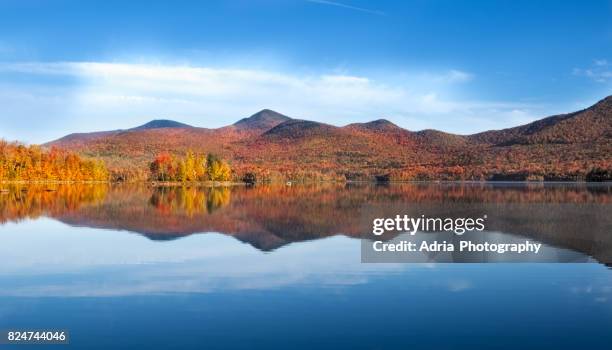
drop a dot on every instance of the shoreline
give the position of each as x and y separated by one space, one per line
287 183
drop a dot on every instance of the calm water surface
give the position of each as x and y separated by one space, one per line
125 267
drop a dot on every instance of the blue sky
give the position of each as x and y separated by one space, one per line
457 66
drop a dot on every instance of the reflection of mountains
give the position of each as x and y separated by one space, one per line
267 217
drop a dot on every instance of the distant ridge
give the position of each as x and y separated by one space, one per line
262 120
160 124
297 128
587 125
561 147
377 125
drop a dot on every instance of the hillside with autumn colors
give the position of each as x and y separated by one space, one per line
570 147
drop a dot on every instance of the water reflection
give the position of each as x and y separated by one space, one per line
67 262
30 202
573 216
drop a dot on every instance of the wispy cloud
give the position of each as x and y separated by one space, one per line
452 76
599 71
355 8
601 62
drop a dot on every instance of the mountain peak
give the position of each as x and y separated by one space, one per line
262 120
381 123
161 123
377 125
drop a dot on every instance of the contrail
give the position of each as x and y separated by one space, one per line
333 3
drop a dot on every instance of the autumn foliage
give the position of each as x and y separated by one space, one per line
269 146
190 168
32 163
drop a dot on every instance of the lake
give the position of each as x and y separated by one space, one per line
275 266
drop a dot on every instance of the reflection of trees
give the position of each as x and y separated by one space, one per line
18 203
190 200
267 217
157 212
217 198
320 206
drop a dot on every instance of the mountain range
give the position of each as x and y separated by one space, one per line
272 145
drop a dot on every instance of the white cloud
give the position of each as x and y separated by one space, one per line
119 95
452 76
600 71
601 62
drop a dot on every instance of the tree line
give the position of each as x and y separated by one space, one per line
192 167
19 162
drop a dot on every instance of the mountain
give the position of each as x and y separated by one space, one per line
587 125
440 138
561 147
262 120
378 125
298 129
76 139
160 124
73 141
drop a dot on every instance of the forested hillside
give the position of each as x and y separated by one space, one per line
574 146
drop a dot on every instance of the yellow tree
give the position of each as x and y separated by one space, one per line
218 170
